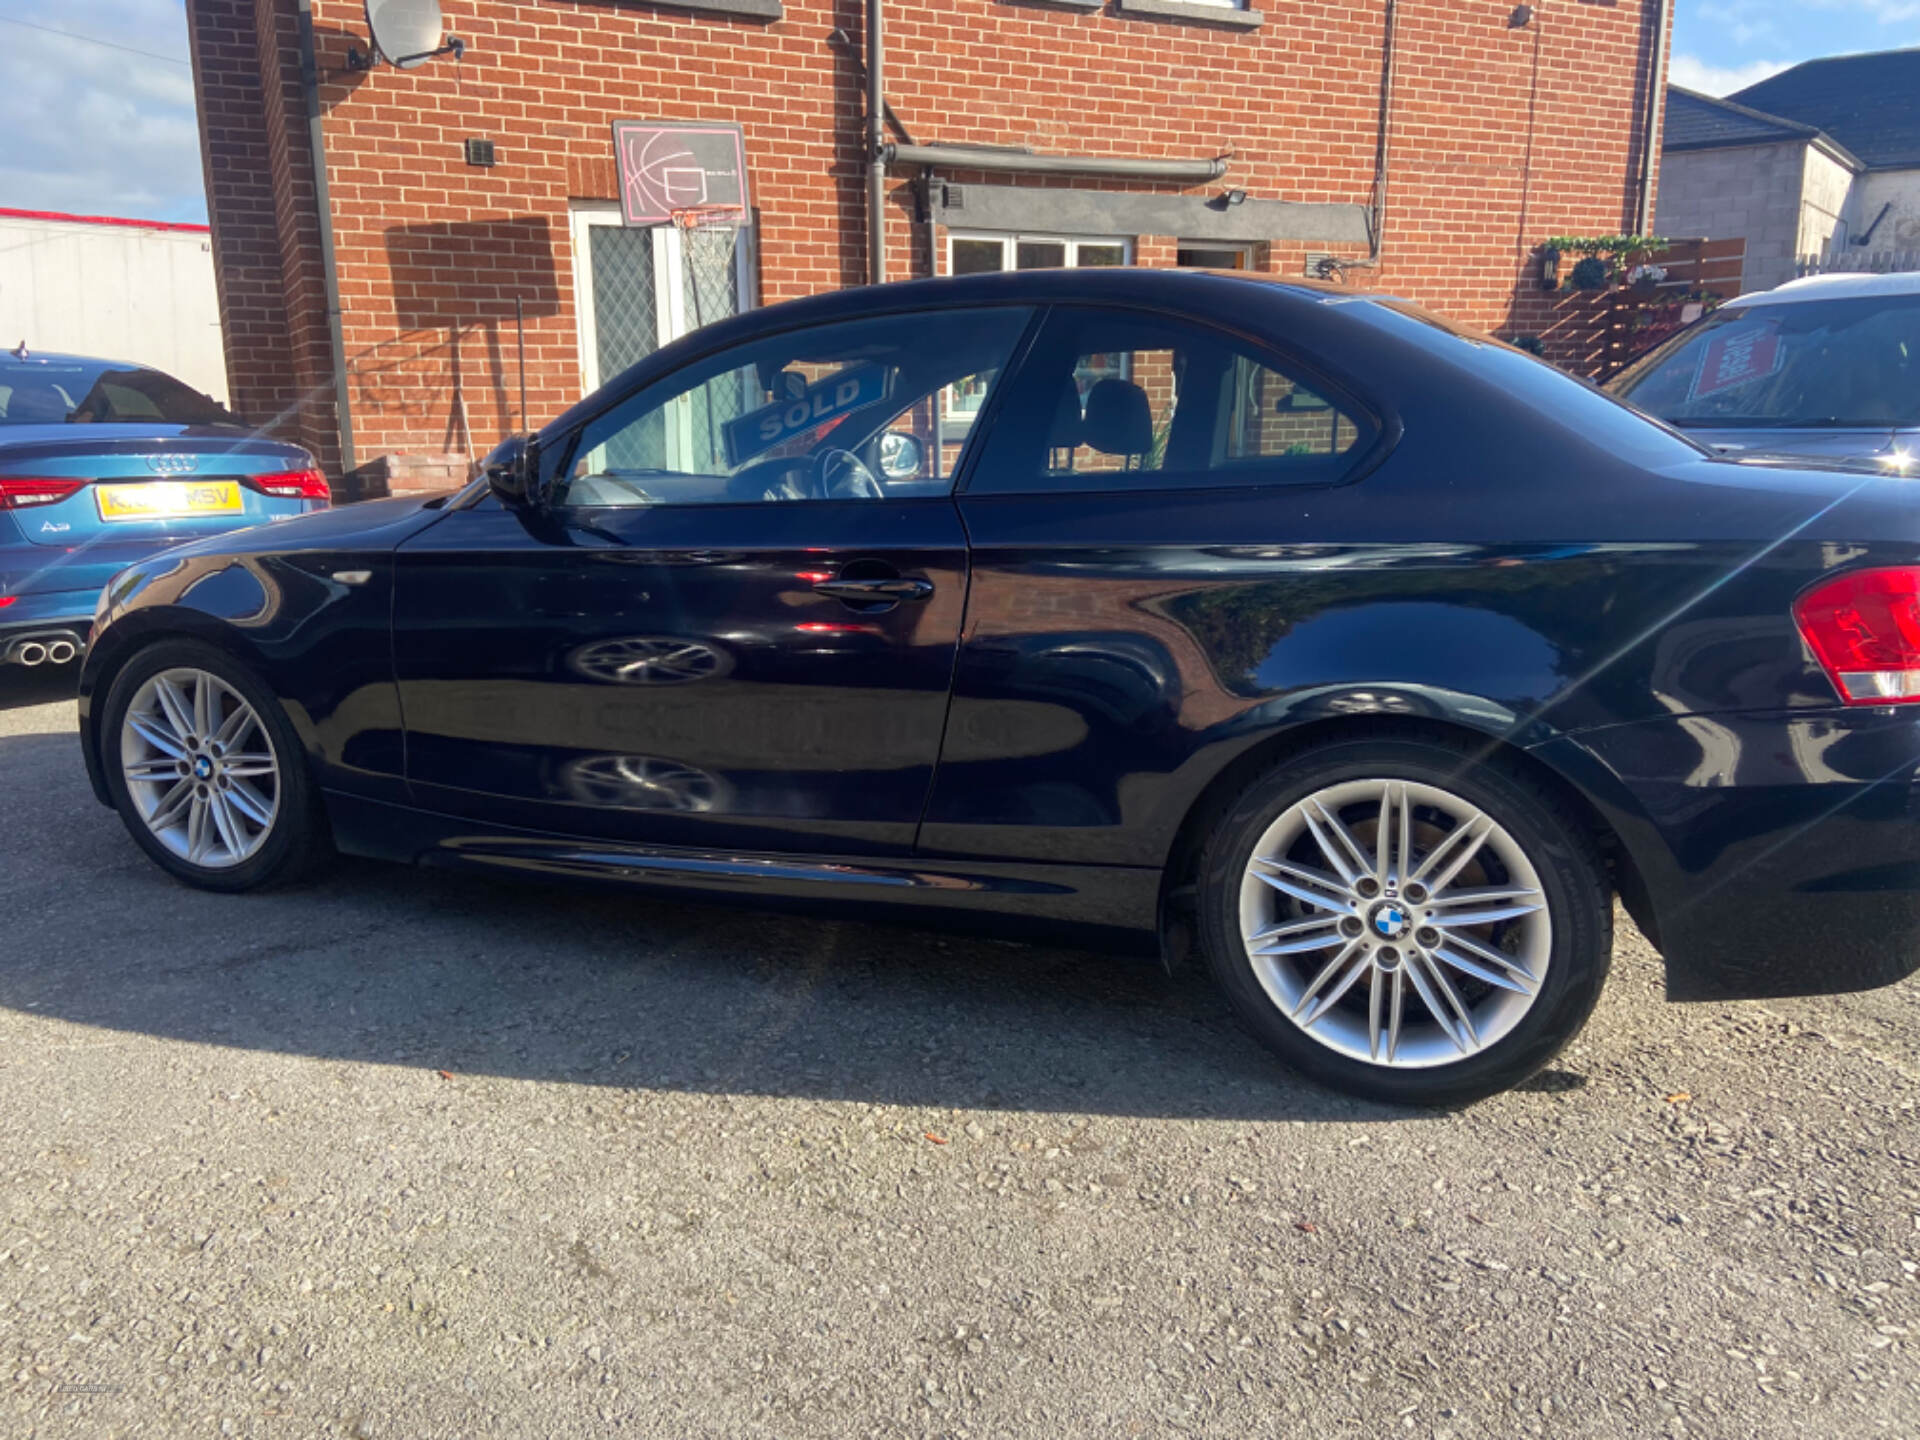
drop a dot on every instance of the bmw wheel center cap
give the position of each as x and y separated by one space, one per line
1390 921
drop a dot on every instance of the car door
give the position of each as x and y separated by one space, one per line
1138 529
730 621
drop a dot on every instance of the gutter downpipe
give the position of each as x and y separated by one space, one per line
310 84
1025 162
1656 97
876 147
1377 201
1390 40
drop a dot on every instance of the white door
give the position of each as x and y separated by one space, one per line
636 289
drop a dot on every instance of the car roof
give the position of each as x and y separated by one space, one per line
1146 284
51 357
1841 286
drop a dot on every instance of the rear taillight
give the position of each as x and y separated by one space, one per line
308 484
1864 629
17 492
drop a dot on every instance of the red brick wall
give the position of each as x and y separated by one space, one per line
432 251
238 161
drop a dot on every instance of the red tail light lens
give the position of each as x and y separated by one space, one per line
308 484
17 492
1864 629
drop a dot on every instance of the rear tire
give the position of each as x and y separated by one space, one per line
1371 969
207 772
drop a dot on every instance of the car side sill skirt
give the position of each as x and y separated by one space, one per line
1100 905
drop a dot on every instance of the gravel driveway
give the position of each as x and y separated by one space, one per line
401 1154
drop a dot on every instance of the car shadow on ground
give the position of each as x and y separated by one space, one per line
23 686
475 975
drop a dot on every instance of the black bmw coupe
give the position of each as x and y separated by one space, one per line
1365 656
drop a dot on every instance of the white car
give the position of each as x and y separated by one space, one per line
1826 368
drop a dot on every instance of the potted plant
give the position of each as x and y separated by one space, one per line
1606 261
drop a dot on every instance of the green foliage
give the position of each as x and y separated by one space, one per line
1605 258
1589 274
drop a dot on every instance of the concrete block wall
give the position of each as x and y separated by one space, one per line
1753 191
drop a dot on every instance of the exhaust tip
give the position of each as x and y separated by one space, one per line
61 651
31 653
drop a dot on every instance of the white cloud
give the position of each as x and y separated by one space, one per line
1691 73
1887 12
95 129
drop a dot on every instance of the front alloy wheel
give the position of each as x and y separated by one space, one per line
200 768
207 772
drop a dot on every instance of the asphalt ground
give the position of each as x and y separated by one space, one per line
408 1154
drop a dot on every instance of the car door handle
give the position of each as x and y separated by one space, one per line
889 591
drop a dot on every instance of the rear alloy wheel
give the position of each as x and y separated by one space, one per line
206 772
1406 925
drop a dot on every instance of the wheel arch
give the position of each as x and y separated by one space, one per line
119 645
1181 865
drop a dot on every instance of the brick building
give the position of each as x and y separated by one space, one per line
1248 138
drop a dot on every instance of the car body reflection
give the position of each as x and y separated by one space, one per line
650 660
641 782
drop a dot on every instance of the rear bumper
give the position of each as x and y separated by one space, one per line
1778 854
34 615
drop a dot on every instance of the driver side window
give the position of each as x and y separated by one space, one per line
848 411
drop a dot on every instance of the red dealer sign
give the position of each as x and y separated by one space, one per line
675 165
1737 355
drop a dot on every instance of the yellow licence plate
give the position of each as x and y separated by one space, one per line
160 499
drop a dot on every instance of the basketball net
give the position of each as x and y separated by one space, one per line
710 235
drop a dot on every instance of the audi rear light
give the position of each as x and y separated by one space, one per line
1864 629
17 492
308 484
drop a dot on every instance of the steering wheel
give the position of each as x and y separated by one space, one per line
842 475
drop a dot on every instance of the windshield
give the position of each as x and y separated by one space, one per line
81 392
1811 363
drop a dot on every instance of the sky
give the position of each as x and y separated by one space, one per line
1720 46
100 119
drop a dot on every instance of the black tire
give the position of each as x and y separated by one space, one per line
1563 853
297 843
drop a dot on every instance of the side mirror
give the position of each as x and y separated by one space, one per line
513 470
901 455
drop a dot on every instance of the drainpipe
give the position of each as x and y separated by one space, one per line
1382 147
876 147
310 84
1656 96
1389 71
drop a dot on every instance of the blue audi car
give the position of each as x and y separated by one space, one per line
103 463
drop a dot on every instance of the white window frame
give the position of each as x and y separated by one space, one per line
669 281
957 421
1010 239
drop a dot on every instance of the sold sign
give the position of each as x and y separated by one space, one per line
839 394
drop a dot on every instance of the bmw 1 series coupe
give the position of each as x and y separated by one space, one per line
103 463
1367 658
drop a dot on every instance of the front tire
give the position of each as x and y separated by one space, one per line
1406 922
207 772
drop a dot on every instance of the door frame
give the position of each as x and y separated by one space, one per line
669 281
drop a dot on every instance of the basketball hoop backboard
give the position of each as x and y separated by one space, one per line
668 165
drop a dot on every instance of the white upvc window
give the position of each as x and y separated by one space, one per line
637 288
971 252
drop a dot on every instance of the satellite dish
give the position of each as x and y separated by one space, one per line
407 33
